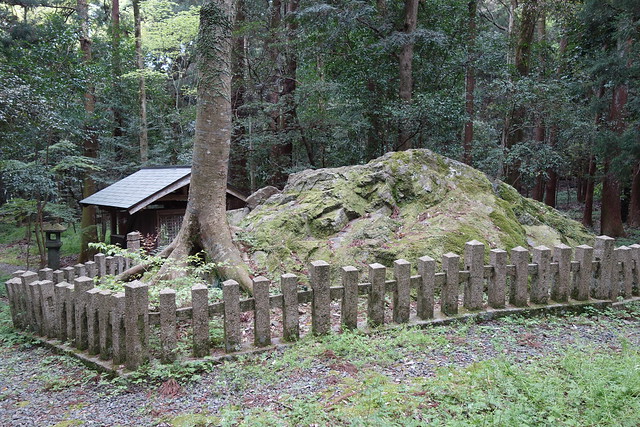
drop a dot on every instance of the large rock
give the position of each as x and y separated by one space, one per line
402 205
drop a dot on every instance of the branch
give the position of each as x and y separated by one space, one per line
489 17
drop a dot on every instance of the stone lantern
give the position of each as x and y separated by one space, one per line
53 243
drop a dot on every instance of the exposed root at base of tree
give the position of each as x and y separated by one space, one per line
193 237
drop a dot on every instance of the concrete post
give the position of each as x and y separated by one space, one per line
12 286
80 270
604 252
81 285
449 293
93 318
62 305
562 280
58 277
36 306
91 269
70 298
69 274
625 258
497 286
519 283
200 320
349 306
401 295
377 276
118 337
26 299
583 277
541 283
133 241
48 301
426 289
45 274
321 304
290 316
168 341
101 264
474 263
105 328
136 314
262 313
231 297
118 261
111 265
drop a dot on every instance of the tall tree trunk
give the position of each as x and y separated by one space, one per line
205 223
238 163
116 64
280 152
514 125
611 217
540 129
551 188
470 83
90 142
406 66
143 138
633 219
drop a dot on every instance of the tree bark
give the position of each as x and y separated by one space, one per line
633 219
611 217
239 161
470 83
587 213
90 142
205 223
406 68
116 64
143 138
514 125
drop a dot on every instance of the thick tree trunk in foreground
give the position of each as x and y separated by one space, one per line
205 223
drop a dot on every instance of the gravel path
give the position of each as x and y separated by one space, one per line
40 388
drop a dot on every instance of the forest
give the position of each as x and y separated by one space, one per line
538 93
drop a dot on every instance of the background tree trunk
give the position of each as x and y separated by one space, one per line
406 68
587 214
205 223
116 64
470 83
143 137
90 143
633 219
514 125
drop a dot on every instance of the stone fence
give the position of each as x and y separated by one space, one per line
65 306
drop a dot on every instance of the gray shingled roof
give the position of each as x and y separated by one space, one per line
138 187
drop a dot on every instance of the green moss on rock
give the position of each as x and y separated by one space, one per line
401 205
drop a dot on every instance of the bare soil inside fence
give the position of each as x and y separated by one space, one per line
392 376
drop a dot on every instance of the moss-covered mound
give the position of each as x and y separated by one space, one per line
402 205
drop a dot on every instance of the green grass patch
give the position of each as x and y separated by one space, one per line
584 387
